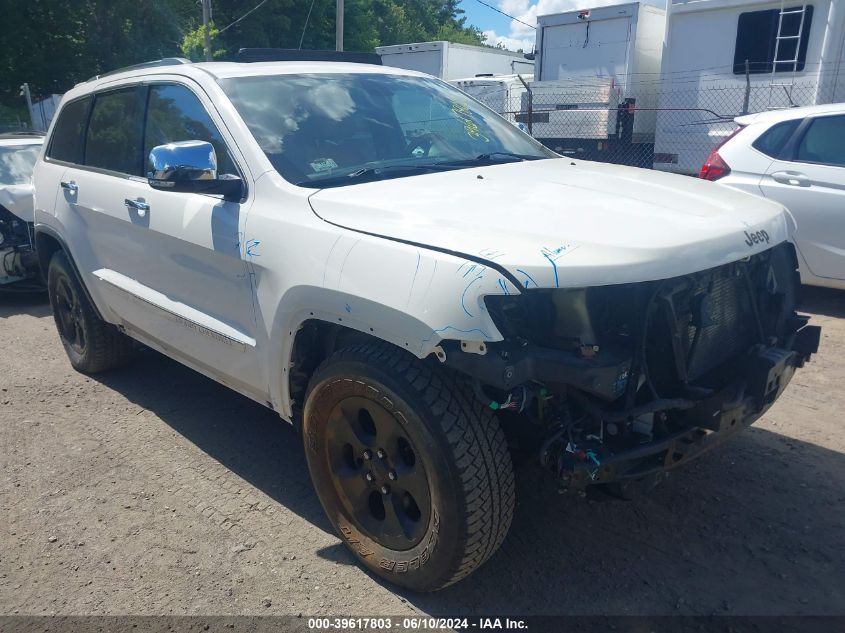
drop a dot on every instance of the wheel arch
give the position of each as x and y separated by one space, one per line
47 243
301 339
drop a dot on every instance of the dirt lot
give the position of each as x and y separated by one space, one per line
155 491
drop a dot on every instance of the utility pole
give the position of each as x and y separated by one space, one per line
206 18
338 36
26 93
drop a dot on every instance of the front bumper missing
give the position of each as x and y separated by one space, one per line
713 420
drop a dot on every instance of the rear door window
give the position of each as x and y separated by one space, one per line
68 137
174 113
773 140
115 131
824 142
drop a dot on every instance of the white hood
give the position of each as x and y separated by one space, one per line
18 199
565 223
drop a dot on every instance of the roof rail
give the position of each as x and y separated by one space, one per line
167 61
296 55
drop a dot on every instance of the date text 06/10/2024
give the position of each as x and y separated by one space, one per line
415 624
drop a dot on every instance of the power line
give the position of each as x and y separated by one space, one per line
305 26
253 9
507 15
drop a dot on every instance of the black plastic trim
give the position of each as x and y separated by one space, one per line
52 233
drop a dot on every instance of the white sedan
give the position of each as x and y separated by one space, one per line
796 157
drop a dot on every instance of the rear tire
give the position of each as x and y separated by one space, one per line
412 471
91 344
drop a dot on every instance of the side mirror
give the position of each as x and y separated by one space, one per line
190 167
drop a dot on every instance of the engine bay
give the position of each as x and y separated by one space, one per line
621 383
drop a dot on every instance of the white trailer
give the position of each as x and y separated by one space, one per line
593 59
501 93
450 61
705 82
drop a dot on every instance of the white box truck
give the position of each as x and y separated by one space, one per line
704 68
589 98
501 93
450 61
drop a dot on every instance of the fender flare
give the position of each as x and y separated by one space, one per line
44 262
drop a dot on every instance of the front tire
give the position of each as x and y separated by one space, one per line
411 470
91 344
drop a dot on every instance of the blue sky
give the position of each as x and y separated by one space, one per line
501 30
484 18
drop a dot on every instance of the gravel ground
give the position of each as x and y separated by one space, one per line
153 490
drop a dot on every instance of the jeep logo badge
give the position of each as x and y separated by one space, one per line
756 238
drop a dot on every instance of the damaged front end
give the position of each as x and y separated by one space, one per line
18 260
623 383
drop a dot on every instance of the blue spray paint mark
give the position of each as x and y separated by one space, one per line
414 279
554 254
560 250
348 308
417 269
504 286
251 246
463 295
530 278
554 266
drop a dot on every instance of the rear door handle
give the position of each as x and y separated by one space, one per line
139 205
69 186
793 178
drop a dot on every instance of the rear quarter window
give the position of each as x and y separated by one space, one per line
773 140
68 137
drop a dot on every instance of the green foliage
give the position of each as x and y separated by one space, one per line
193 44
368 23
53 44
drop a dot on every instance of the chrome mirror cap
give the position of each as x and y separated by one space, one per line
183 161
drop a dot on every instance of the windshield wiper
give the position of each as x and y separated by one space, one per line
372 173
490 157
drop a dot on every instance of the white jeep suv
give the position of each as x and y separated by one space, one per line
414 283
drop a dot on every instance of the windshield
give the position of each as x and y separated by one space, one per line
328 130
17 163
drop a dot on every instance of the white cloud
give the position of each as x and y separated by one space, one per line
522 36
510 43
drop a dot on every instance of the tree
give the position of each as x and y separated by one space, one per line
54 44
368 23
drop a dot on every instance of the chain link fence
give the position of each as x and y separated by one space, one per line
10 125
650 124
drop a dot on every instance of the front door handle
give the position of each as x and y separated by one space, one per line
794 178
139 205
70 186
